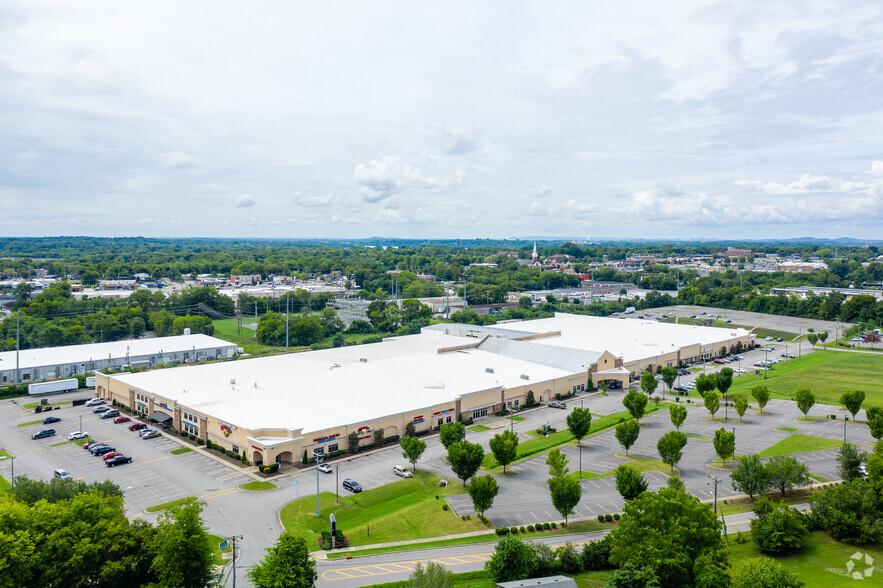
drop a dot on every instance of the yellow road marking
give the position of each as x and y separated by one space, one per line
219 493
381 569
136 516
157 459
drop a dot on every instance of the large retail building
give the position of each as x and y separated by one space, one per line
273 409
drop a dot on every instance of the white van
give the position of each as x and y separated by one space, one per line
62 475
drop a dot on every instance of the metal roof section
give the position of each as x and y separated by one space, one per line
563 358
476 331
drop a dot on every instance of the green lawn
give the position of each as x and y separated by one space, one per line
31 405
180 450
79 442
217 551
258 486
4 485
797 443
405 509
226 330
167 505
517 419
29 423
639 464
703 438
478 428
827 373
788 429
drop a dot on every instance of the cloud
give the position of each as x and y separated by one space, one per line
245 200
456 141
876 168
177 159
302 199
806 183
379 180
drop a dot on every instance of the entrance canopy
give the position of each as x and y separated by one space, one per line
619 374
162 418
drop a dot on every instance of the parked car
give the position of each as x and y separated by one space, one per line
122 419
779 340
325 468
91 444
77 435
352 486
95 401
96 446
680 388
50 420
768 338
402 471
787 355
149 433
556 404
739 370
110 414
100 409
719 361
44 433
102 451
62 475
137 426
111 455
120 459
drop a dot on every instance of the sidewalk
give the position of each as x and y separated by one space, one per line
323 554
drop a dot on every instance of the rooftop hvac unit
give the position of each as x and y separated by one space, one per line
489 370
232 381
255 384
525 377
363 359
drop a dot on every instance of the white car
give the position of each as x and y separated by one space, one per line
325 468
78 435
95 401
739 370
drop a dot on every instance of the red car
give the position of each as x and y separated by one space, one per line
90 444
137 426
110 455
119 420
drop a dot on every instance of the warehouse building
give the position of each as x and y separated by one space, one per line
51 363
273 409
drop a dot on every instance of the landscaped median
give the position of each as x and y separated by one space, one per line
167 505
258 486
797 443
639 464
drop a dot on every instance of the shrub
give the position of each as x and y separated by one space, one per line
200 442
608 517
444 507
530 528
569 558
546 526
521 529
616 516
514 530
502 531
600 518
778 529
596 554
191 437
554 525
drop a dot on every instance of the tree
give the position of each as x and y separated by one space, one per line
785 472
412 449
675 482
579 421
849 462
352 442
670 446
635 403
451 433
763 572
712 402
525 303
805 400
512 560
530 400
410 430
483 490
813 339
629 483
629 576
724 380
678 414
434 575
287 565
568 558
852 400
851 512
724 444
649 383
761 395
668 531
823 336
557 463
875 423
183 552
705 383
505 447
465 458
778 529
566 492
750 476
740 403
627 433
595 554
669 375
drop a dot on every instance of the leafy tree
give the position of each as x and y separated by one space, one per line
750 476
183 552
670 447
823 336
875 421
635 403
412 449
512 560
705 383
504 446
530 400
557 463
785 472
629 483
483 490
566 492
712 402
668 531
851 512
287 565
852 400
568 558
579 421
813 339
32 491
546 564
849 462
649 383
675 482
410 430
740 403
669 375
778 529
353 442
627 433
678 414
629 576
434 575
763 572
596 553
465 458
724 379
724 444
761 395
525 303
451 433
805 400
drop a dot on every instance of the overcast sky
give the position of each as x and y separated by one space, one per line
464 119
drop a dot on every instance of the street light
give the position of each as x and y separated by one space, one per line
318 461
336 484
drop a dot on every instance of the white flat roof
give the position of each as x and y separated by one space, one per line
47 356
306 391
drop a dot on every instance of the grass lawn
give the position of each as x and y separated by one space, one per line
703 438
226 330
639 464
406 509
180 450
789 429
478 428
31 405
166 505
258 486
217 551
797 443
819 478
4 485
517 419
79 442
29 423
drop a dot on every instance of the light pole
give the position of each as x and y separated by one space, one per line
233 539
734 443
12 475
336 484
844 429
766 363
318 461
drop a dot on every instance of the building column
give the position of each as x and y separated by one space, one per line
150 409
203 428
176 419
132 399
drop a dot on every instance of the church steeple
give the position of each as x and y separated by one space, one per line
534 256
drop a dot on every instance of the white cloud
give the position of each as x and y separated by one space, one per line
456 141
177 159
876 168
315 201
379 180
244 201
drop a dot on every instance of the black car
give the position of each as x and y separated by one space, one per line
113 461
43 433
352 486
96 446
103 450
50 420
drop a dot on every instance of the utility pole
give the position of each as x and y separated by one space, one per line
318 461
287 298
716 480
233 539
17 330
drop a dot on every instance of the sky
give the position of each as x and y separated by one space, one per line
497 119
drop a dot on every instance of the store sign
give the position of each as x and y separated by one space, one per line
226 430
418 419
327 438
